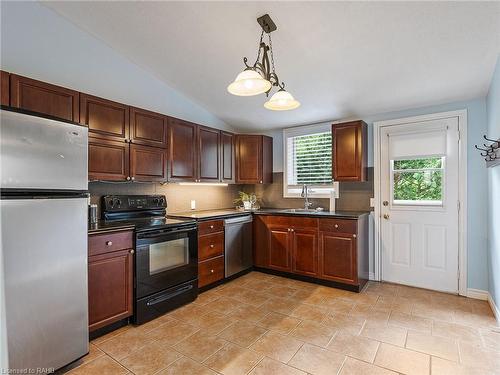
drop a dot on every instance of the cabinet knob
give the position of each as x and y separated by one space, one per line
128 178
292 230
211 271
211 227
109 243
212 246
354 236
336 226
132 178
132 251
260 181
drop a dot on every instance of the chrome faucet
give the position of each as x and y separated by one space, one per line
305 195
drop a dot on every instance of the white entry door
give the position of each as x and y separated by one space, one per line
420 204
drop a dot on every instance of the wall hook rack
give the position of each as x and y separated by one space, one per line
490 151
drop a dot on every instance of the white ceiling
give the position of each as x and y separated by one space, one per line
340 59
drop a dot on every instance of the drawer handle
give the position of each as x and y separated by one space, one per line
211 271
109 243
212 246
336 226
354 236
211 227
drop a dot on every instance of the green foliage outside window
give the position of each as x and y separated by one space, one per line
313 159
418 179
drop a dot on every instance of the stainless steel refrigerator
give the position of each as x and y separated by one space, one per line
43 212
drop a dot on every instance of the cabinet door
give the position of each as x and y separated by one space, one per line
110 288
108 160
41 97
148 128
227 156
349 151
338 257
279 248
305 251
249 159
148 163
5 88
208 154
104 118
261 239
182 150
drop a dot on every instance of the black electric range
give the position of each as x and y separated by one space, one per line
166 256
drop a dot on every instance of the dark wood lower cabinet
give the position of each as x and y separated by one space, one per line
279 248
210 253
5 88
148 163
331 251
338 261
110 288
108 160
305 251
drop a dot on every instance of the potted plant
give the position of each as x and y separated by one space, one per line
248 200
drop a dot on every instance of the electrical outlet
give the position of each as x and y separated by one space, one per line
193 205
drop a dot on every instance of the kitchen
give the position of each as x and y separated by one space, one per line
211 243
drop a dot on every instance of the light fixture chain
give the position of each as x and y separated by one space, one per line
260 42
272 55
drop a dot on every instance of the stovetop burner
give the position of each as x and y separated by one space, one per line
145 212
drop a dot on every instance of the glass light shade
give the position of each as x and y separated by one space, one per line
248 83
281 101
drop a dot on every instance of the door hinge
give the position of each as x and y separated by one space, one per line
458 205
458 131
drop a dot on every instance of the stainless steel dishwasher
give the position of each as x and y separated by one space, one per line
238 244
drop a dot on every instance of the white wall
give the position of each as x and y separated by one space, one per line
38 43
477 191
493 110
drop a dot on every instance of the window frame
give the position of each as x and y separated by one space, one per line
316 191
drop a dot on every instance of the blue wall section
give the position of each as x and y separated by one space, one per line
493 110
38 43
477 190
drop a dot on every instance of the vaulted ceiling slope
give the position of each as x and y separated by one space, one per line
340 59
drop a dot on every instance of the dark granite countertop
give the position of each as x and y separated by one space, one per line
109 226
221 214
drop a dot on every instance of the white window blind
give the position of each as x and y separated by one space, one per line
308 160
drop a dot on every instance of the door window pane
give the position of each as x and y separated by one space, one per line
166 255
418 181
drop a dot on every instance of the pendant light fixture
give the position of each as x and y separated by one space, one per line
261 76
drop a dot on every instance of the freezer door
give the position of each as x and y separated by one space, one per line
38 153
44 248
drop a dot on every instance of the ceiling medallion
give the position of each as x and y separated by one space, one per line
261 76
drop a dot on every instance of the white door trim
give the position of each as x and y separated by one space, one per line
462 193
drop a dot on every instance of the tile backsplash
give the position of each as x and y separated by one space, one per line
354 196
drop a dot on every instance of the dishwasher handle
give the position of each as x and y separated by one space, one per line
238 220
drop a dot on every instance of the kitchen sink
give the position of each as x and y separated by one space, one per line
299 210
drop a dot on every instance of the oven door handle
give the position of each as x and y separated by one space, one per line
166 233
165 297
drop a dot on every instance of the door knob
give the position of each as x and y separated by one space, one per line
385 203
386 216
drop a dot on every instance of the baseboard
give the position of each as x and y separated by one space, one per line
477 294
371 276
494 308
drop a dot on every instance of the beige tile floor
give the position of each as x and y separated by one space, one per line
267 325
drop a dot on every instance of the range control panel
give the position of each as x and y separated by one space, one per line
133 202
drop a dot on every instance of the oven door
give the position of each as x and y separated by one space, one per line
165 258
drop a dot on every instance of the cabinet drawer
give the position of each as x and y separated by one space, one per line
108 242
212 226
210 271
338 225
295 222
210 245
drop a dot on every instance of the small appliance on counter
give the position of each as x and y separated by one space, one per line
166 256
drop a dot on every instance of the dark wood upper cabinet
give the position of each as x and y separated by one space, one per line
5 88
181 150
208 141
254 159
338 258
41 97
108 160
227 157
148 163
104 118
304 250
148 128
349 151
